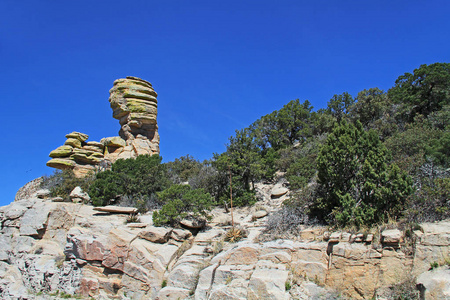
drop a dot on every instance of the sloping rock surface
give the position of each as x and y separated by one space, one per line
48 246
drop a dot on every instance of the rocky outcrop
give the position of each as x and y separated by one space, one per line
48 246
134 104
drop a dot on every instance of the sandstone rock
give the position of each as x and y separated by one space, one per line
435 284
84 156
77 135
61 163
259 214
279 191
78 195
75 143
61 151
173 293
180 235
193 224
117 209
391 237
134 104
268 284
43 194
115 141
154 234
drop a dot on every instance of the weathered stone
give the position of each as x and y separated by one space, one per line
61 151
115 141
43 194
61 163
435 284
78 195
279 191
75 143
154 234
134 104
193 224
117 209
180 235
173 293
259 214
391 237
87 156
77 135
268 284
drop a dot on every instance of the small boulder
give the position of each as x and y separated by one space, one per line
61 163
259 214
76 143
278 191
193 224
61 151
391 237
43 194
77 135
78 195
115 141
154 234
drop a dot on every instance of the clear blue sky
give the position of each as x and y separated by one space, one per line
216 65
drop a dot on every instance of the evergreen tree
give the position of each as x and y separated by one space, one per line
356 186
424 91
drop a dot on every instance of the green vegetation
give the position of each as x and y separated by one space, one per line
180 201
139 178
356 186
61 183
359 161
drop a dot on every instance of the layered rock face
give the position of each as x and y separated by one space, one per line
48 246
134 104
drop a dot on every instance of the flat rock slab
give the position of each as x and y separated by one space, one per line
117 209
278 192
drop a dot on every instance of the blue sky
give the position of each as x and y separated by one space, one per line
217 66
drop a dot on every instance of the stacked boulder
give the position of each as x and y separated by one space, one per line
77 154
134 104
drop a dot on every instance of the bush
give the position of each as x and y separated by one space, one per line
182 169
61 183
138 178
180 201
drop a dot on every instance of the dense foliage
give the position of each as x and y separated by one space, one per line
181 201
139 178
356 185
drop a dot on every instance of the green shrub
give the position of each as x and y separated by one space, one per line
182 169
180 201
138 178
61 183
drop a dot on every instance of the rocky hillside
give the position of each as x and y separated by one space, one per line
51 250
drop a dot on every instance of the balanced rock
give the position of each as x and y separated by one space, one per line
134 104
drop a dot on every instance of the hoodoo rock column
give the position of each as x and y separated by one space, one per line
134 104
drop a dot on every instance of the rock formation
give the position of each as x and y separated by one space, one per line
134 104
48 246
